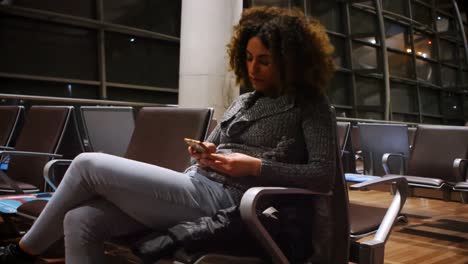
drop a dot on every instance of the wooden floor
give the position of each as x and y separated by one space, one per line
437 231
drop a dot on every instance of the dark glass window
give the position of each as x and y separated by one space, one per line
364 26
43 88
451 105
448 76
404 98
38 48
85 8
280 3
340 51
422 14
431 120
339 89
328 12
396 6
142 61
370 91
364 57
430 101
371 115
424 45
405 118
397 36
426 71
464 79
133 95
160 16
448 52
461 53
400 65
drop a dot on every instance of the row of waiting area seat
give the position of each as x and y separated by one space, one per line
156 137
429 156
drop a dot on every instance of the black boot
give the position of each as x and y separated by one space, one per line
13 254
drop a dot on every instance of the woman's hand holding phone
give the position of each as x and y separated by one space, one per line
200 150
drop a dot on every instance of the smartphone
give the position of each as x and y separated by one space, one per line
196 145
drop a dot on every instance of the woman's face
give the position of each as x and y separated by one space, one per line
262 72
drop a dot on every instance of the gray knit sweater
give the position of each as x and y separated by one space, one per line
294 137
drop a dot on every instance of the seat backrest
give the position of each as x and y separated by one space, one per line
42 131
107 129
434 150
340 215
10 117
355 138
159 133
345 145
342 132
378 139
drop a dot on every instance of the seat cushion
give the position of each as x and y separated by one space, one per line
365 219
26 187
429 182
462 186
32 208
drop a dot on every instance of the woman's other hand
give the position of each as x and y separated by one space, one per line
197 155
234 165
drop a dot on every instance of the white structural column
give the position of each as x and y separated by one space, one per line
206 29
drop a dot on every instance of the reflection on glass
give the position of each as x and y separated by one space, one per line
404 98
425 71
339 55
448 76
328 12
395 6
156 15
422 14
363 26
445 25
451 104
338 90
448 52
424 45
400 65
364 57
430 101
47 49
370 91
143 61
397 36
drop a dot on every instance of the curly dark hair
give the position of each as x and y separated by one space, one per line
299 46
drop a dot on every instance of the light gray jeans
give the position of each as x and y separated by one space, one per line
103 196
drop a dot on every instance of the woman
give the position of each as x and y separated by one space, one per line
281 134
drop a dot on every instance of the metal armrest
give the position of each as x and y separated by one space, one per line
385 160
11 182
459 169
248 213
29 153
49 171
6 148
374 248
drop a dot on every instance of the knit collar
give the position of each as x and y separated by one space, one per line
264 106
